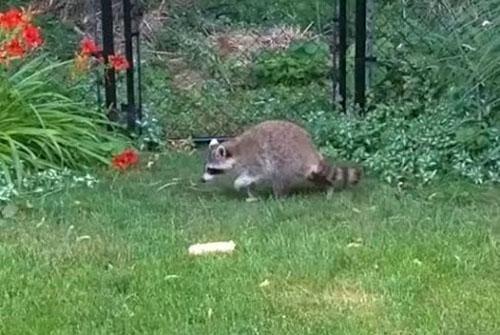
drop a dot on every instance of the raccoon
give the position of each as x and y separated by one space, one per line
275 153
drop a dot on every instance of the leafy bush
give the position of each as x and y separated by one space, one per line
215 110
60 36
301 12
42 127
301 63
400 147
44 182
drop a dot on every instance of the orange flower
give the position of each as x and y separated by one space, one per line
12 19
32 36
3 57
125 159
118 62
14 49
89 47
82 63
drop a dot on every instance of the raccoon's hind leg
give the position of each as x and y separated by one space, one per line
280 188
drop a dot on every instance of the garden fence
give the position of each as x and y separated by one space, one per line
364 38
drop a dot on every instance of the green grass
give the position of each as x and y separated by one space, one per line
425 262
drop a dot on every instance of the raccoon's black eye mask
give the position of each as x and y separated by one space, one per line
215 171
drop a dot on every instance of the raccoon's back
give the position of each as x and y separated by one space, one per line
278 146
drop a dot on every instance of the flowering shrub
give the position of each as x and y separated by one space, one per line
18 35
42 127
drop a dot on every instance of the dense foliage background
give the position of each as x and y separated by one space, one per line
213 67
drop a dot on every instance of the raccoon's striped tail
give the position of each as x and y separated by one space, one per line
326 174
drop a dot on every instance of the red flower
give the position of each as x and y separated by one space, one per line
131 156
125 159
89 47
12 19
32 36
118 62
14 49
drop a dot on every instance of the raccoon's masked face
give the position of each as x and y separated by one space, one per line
219 161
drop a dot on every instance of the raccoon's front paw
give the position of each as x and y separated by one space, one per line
251 199
250 196
330 193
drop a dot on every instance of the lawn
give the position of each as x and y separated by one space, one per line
371 260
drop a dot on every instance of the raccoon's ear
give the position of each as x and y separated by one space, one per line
221 151
213 143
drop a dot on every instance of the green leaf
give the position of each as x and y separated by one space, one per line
9 211
310 48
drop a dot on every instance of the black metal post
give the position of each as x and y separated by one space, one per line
370 30
342 70
334 50
95 28
109 49
137 15
139 75
127 27
360 55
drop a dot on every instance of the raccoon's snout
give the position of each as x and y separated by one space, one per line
206 177
213 172
210 174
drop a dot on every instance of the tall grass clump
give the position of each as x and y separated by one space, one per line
42 127
431 51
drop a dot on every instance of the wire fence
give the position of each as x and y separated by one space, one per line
221 44
413 39
210 67
407 27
